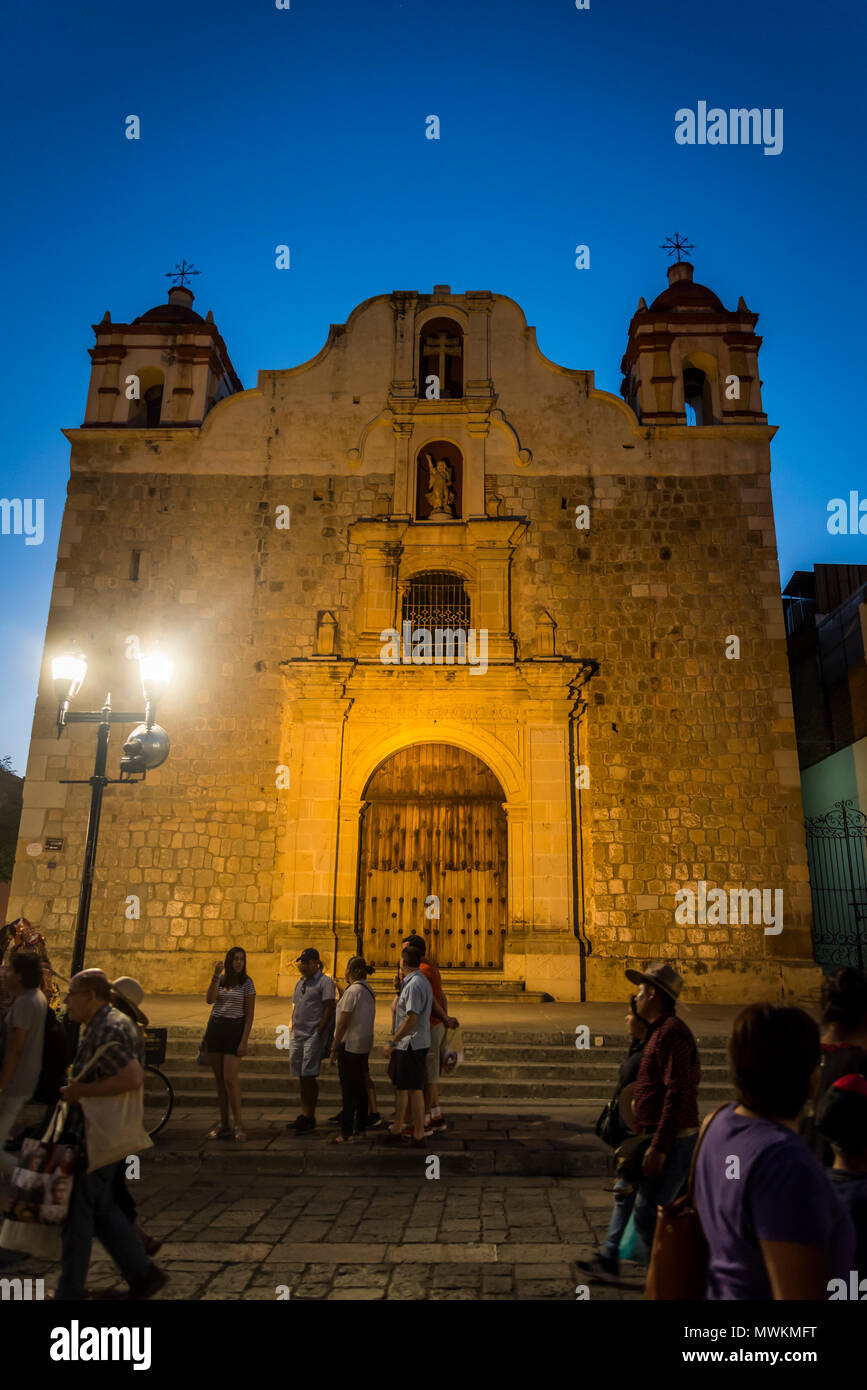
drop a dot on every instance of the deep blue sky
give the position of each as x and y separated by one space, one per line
262 126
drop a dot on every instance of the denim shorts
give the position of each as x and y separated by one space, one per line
305 1055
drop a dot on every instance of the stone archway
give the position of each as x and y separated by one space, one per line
433 827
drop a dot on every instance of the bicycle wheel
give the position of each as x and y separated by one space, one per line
158 1100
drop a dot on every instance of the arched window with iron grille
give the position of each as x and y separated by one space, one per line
436 599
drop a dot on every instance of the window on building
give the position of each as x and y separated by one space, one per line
436 599
441 361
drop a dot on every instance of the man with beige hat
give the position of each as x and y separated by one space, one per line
126 995
665 1099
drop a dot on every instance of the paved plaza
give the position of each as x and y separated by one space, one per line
230 1238
523 1188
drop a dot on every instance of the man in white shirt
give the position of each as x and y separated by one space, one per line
410 1042
25 1036
313 1005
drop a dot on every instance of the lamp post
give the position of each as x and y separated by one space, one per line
147 747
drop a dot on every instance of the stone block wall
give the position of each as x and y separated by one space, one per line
691 755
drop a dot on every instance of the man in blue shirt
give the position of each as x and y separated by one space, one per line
409 1043
313 1006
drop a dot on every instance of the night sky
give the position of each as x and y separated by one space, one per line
306 127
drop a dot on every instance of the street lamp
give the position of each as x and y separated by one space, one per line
146 748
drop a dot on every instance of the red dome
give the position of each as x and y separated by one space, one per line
170 313
686 294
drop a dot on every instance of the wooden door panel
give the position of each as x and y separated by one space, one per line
434 824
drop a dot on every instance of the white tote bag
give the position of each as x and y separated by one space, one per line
113 1125
33 1212
451 1050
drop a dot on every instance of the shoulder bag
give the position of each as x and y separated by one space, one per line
113 1125
679 1257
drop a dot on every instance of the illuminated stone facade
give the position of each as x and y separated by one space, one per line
635 757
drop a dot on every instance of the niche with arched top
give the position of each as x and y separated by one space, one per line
441 360
439 472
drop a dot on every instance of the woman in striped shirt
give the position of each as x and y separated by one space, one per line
233 996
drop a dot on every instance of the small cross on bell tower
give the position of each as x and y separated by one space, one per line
180 292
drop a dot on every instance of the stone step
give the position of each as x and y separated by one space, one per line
488 1050
475 1069
470 989
288 1156
263 1036
196 1091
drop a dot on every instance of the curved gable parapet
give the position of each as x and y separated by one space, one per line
218 413
629 415
336 332
526 381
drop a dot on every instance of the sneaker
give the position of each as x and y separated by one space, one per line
438 1124
375 1121
336 1119
153 1281
601 1268
304 1124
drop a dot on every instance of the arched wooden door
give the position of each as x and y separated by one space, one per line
434 826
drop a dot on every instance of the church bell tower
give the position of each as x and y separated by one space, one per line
691 361
167 368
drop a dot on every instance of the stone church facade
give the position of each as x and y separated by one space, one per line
532 786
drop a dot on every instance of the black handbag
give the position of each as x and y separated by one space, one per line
609 1126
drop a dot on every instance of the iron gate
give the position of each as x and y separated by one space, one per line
837 856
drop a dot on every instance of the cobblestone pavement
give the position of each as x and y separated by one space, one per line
244 1236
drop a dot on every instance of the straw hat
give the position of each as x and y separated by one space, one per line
131 992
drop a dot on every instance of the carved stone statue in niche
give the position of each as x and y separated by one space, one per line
439 481
440 496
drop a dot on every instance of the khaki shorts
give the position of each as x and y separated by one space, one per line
432 1063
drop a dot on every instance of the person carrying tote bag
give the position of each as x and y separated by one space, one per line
679 1257
38 1203
106 1100
113 1125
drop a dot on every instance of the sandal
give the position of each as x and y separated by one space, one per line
240 1135
218 1131
338 1139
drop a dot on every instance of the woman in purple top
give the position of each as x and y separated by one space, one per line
775 1227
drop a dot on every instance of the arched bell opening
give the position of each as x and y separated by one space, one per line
146 412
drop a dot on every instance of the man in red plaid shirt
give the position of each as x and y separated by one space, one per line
665 1099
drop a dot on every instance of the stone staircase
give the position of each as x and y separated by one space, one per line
515 1071
523 1103
466 987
